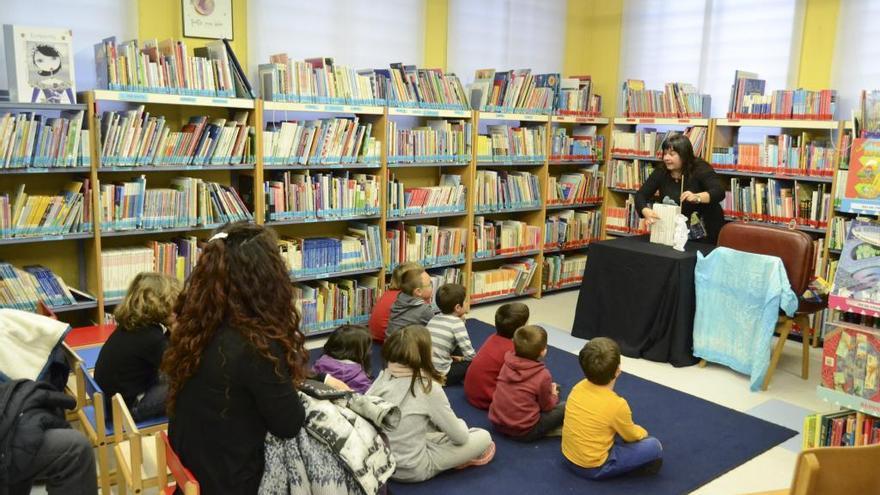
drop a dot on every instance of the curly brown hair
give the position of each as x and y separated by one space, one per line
149 300
242 280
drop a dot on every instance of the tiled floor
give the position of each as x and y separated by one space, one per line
786 402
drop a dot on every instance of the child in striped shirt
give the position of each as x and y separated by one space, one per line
452 350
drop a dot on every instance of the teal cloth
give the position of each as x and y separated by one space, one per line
739 296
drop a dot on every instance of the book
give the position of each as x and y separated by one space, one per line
855 285
861 194
504 237
31 140
328 141
681 100
510 278
24 288
39 64
447 197
628 174
506 190
575 97
426 244
585 186
505 144
324 305
663 229
292 196
27 215
583 144
570 229
563 270
360 248
625 219
439 140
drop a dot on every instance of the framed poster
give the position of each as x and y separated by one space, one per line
39 64
207 19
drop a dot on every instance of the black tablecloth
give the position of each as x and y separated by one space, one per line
641 295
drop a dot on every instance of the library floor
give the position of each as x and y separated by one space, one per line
787 401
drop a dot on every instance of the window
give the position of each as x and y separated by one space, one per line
505 34
356 34
856 51
703 42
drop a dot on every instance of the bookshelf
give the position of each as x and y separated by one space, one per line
634 153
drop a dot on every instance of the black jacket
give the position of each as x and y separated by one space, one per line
27 410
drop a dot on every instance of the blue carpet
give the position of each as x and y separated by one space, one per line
701 440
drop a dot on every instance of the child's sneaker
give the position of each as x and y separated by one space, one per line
484 458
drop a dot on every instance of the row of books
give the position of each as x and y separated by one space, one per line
135 138
699 137
625 219
324 141
676 100
840 429
425 244
505 143
293 196
626 174
443 276
188 202
177 257
645 142
574 188
572 229
581 144
447 197
510 278
167 67
839 227
120 266
563 270
506 190
23 289
868 114
324 305
360 248
438 141
747 100
576 97
782 154
504 237
69 211
31 140
778 201
515 90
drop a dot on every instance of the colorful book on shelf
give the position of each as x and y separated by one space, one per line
574 188
582 144
562 270
31 140
851 361
628 174
24 289
512 144
566 229
68 212
515 91
676 100
325 141
119 266
292 196
510 278
440 140
425 244
624 219
324 305
447 197
643 142
504 237
862 190
575 97
506 190
855 282
359 249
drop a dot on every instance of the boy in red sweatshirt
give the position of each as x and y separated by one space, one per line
482 374
526 404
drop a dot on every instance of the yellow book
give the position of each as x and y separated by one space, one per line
181 268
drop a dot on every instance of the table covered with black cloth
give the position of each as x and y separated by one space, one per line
641 295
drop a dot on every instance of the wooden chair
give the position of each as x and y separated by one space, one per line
137 462
93 418
75 385
795 248
828 470
170 462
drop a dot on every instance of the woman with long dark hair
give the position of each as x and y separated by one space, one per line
701 192
234 361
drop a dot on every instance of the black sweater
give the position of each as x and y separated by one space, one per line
702 179
129 362
223 412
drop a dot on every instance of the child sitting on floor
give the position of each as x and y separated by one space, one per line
526 402
482 374
599 438
129 361
413 305
430 438
382 308
452 349
347 357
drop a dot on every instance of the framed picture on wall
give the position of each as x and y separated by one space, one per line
207 19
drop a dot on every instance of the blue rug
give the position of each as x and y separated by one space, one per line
701 440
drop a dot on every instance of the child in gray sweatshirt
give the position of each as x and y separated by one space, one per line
430 438
413 305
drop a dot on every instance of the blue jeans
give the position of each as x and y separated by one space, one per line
623 458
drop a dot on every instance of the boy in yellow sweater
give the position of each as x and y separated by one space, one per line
599 438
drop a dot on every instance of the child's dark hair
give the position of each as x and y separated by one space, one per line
411 280
509 317
600 359
529 341
449 296
351 342
411 347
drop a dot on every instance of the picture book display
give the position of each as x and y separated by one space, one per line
862 191
857 281
850 361
39 64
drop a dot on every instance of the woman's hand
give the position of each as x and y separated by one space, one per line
691 197
337 384
649 215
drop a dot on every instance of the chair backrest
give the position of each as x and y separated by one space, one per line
124 426
74 361
837 470
171 462
94 393
91 386
794 247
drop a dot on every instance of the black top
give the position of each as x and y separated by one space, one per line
129 361
702 179
223 412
